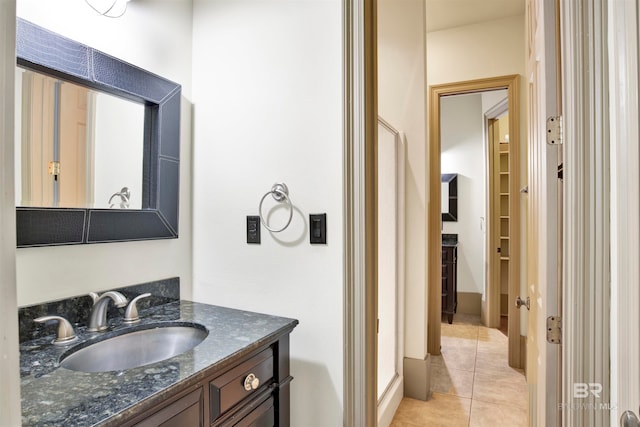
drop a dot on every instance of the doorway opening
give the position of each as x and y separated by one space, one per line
474 146
509 199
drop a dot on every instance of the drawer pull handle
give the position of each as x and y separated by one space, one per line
251 382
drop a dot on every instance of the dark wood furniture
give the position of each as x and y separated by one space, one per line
248 391
449 280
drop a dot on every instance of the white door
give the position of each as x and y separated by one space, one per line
625 210
543 216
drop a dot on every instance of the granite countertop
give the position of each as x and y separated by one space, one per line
449 240
55 396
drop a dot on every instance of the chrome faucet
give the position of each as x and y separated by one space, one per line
66 334
98 318
131 312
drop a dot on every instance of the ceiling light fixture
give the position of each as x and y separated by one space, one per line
109 8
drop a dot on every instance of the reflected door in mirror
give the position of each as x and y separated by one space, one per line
77 147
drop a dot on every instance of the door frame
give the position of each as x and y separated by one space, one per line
10 367
360 111
434 238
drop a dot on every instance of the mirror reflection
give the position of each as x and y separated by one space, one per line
449 194
76 147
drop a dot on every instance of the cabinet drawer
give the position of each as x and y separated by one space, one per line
262 416
229 388
186 411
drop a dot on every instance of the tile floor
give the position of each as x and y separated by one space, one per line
471 382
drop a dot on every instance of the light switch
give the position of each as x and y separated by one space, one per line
253 229
318 229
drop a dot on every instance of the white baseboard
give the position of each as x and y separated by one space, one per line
390 401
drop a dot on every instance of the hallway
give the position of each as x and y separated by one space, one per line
471 382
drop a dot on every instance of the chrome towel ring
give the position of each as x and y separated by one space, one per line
280 193
125 196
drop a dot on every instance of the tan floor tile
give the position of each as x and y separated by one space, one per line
437 360
457 342
494 347
484 414
451 381
459 331
466 319
489 363
461 339
401 424
491 334
500 389
461 358
473 364
442 410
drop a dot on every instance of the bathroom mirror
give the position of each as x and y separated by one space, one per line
76 147
449 194
155 214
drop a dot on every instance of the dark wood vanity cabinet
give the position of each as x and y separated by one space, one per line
449 281
251 391
182 410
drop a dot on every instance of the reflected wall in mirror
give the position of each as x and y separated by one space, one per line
449 196
76 147
156 150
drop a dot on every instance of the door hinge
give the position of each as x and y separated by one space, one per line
554 130
54 168
554 330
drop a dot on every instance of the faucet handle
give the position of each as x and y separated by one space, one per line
66 334
94 296
131 312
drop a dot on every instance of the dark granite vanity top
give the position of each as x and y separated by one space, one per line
55 396
450 240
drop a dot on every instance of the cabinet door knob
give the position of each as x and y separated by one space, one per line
251 382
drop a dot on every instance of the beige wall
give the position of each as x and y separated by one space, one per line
402 103
155 36
489 49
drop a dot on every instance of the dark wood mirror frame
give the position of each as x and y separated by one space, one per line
46 52
452 180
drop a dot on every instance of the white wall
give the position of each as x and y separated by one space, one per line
119 135
463 151
267 84
402 103
9 371
156 36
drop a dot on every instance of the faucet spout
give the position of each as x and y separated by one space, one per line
98 318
